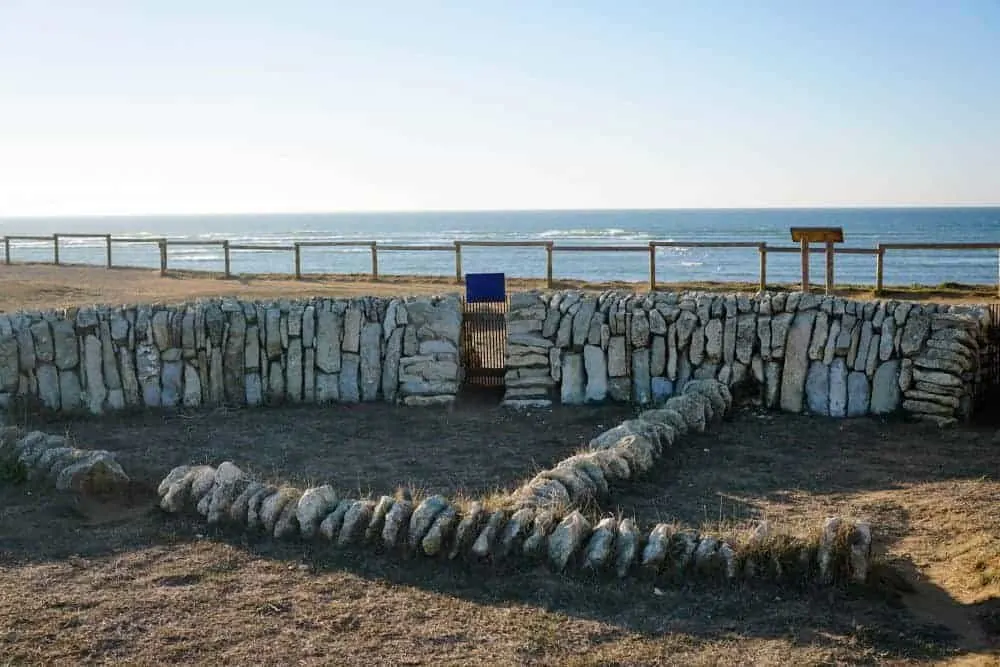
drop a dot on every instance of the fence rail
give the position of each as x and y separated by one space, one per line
551 249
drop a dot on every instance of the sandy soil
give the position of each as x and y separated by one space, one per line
41 286
84 582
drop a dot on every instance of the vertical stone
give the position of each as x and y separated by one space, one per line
67 354
308 326
172 383
251 351
817 345
764 334
641 380
48 386
885 386
818 388
390 367
275 383
349 390
696 348
293 371
328 341
93 361
796 361
830 348
772 383
857 394
713 341
617 357
672 352
729 341
746 329
42 337
371 361
327 387
69 390
572 388
352 330
216 374
234 358
864 343
130 383
838 388
597 373
192 387
254 389
272 333
658 356
309 375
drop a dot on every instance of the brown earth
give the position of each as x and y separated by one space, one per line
82 581
41 286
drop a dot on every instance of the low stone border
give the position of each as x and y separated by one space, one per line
51 458
543 521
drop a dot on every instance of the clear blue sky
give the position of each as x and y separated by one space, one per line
231 106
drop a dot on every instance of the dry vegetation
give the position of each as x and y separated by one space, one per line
85 581
40 286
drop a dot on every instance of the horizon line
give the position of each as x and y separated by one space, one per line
34 216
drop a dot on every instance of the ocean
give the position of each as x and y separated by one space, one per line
862 228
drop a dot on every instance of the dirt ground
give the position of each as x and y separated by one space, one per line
87 583
41 286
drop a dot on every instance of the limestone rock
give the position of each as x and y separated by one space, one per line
857 394
885 387
655 551
796 365
517 527
313 507
331 525
535 544
626 547
483 546
567 539
596 372
467 529
572 392
377 521
423 518
356 519
273 505
601 545
434 541
817 388
397 523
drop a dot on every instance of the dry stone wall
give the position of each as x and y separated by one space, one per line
802 352
233 352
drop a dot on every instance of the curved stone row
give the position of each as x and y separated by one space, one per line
626 451
52 458
435 527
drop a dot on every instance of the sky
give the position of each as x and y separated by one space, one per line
217 106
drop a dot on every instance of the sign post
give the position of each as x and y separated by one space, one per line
826 235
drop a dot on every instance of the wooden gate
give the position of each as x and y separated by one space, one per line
987 387
484 330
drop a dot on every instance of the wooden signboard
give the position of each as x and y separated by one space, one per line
826 235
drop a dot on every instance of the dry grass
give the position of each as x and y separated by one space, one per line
86 582
40 286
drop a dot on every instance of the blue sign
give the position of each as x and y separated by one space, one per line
485 288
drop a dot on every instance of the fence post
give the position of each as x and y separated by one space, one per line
879 268
107 247
225 259
652 266
762 249
298 262
163 256
374 260
6 250
458 262
805 264
548 265
55 249
829 267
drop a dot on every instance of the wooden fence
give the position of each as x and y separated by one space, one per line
550 248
